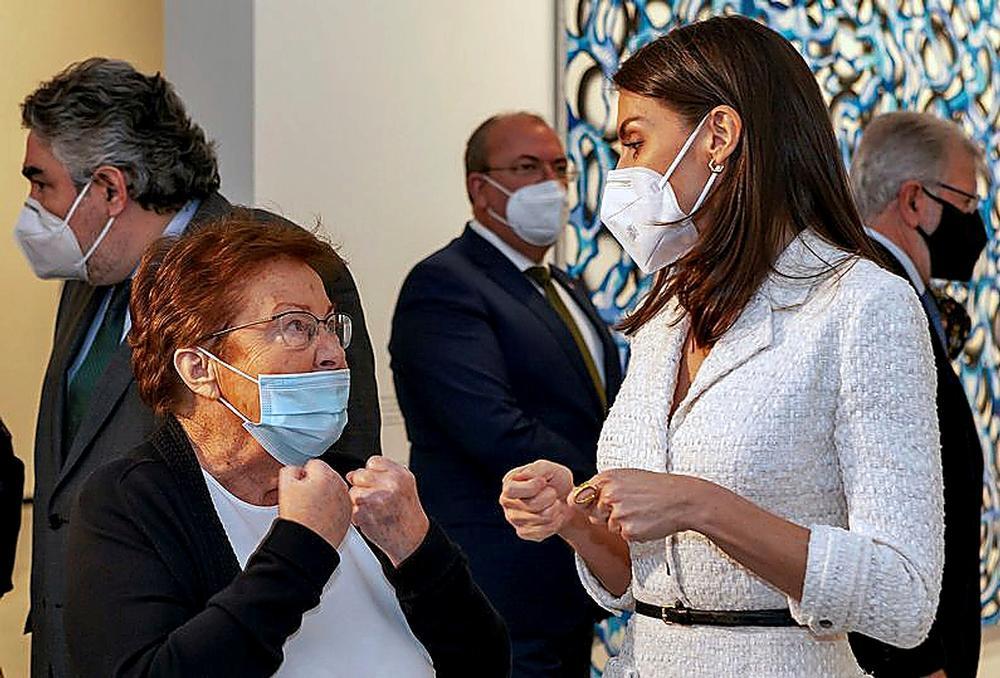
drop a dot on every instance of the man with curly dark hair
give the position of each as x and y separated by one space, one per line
115 162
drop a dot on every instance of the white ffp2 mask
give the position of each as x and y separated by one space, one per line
640 209
537 213
49 243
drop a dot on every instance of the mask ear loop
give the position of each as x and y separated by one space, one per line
230 406
716 170
490 210
680 154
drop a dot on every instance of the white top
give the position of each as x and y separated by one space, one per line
818 405
358 628
590 336
901 256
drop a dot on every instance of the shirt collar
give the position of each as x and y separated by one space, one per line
901 257
521 262
178 223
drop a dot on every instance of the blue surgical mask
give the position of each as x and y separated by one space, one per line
301 415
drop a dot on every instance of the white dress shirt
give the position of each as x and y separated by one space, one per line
590 336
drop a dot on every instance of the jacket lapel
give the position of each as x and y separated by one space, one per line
82 302
107 393
504 273
805 262
749 335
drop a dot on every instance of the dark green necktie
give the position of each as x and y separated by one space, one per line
542 276
106 341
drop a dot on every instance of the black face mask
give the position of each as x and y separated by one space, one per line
956 244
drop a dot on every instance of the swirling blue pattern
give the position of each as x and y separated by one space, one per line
869 58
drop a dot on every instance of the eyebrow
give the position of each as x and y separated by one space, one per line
626 122
291 306
525 156
29 171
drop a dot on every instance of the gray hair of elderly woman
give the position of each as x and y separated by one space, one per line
903 146
103 112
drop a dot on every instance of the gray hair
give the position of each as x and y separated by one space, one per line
104 112
904 146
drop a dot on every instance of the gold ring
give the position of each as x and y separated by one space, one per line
581 497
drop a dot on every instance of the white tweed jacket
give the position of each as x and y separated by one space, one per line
819 406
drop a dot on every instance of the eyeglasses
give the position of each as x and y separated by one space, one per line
534 169
971 199
298 329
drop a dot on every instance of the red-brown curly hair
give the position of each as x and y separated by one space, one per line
189 287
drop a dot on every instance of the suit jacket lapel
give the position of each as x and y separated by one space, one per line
82 302
107 393
504 273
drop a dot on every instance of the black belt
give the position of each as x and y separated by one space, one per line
688 617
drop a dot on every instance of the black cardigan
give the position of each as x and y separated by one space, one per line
154 588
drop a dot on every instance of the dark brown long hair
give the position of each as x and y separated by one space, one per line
785 174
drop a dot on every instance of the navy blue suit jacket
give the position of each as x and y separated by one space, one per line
488 378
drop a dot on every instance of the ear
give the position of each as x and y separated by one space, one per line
197 373
912 204
112 187
476 185
726 128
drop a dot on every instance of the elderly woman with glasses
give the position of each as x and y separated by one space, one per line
223 546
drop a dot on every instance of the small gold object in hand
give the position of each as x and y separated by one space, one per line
585 494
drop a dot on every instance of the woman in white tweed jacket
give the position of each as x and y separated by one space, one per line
770 472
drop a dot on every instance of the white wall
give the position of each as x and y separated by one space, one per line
209 59
362 113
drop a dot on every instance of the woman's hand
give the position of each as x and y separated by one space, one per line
387 509
534 499
315 496
643 505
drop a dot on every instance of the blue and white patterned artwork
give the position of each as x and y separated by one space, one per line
868 58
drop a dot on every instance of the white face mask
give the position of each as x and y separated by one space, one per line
640 209
537 213
49 243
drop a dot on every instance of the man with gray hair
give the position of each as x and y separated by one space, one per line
915 177
115 163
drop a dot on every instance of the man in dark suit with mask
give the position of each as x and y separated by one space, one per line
915 178
115 163
499 359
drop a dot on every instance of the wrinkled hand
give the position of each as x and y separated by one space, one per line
315 496
387 509
641 505
534 499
